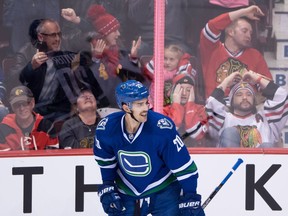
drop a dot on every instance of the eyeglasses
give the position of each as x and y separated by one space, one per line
53 35
21 104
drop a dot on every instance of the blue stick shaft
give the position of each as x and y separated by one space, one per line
236 165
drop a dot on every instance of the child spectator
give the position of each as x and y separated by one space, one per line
175 62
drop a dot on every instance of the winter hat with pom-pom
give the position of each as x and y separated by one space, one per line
103 22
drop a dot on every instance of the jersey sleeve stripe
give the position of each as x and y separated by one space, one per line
180 178
210 35
185 166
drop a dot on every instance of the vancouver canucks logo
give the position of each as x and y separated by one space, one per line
164 124
101 125
135 163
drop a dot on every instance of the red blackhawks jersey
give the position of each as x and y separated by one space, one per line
217 62
41 137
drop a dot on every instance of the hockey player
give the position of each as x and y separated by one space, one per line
244 125
144 163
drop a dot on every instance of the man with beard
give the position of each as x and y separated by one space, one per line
235 53
144 163
244 125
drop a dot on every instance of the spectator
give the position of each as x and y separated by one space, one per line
175 61
23 56
117 8
177 23
56 77
79 131
244 125
110 60
188 116
3 109
25 129
145 162
221 59
19 14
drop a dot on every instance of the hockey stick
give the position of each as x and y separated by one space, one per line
236 165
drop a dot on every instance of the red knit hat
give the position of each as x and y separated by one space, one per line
184 78
103 22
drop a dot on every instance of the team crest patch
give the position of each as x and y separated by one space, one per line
102 124
135 163
164 124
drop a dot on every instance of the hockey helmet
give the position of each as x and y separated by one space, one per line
130 91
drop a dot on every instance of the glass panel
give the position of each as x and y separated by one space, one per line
57 48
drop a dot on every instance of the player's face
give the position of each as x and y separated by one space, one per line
86 101
242 34
111 39
23 109
140 109
171 60
51 34
243 101
187 89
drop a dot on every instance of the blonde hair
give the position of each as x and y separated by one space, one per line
175 49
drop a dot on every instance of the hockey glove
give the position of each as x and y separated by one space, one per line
110 199
190 205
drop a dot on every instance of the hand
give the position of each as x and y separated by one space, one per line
135 47
231 80
250 76
190 205
253 12
70 15
38 59
176 95
255 78
110 199
97 47
191 95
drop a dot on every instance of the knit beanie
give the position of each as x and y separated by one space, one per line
183 78
237 87
103 22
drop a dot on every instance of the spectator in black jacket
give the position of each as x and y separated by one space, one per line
56 77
